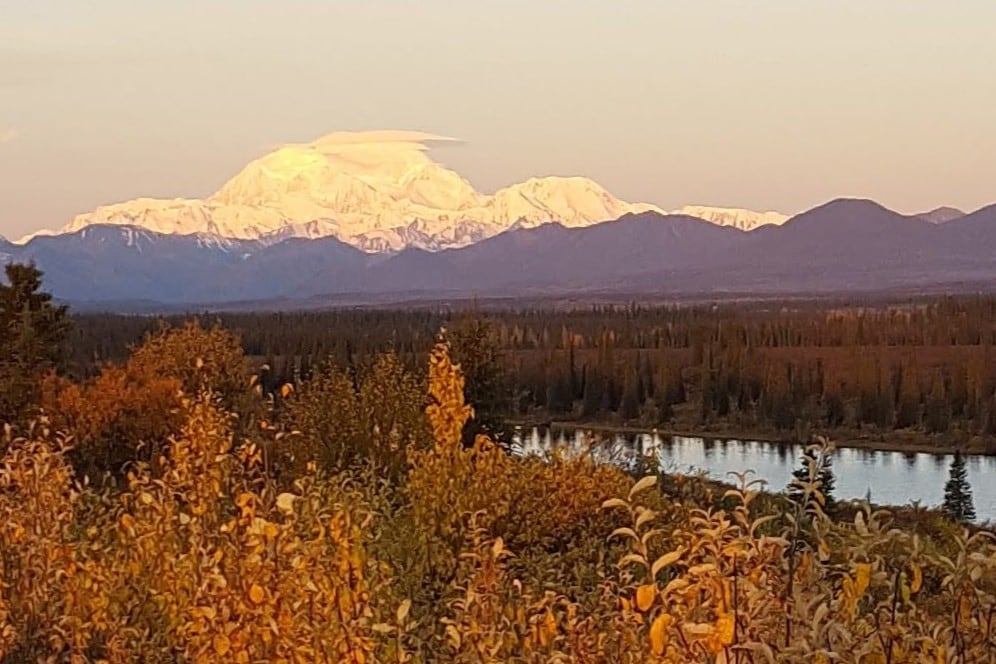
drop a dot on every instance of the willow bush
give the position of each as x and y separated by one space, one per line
418 548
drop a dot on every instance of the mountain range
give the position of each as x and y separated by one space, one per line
370 215
846 245
379 191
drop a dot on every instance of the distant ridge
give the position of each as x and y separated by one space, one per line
842 246
941 215
745 220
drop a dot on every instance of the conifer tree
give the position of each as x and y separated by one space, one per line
957 492
629 404
475 348
816 467
591 400
33 334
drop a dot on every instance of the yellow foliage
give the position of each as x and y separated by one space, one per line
447 411
658 633
507 559
645 596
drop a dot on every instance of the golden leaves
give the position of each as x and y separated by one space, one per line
725 629
242 570
642 485
664 561
285 502
658 633
221 645
916 581
550 625
447 412
127 523
645 596
862 578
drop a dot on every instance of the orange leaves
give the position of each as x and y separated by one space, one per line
503 559
916 578
549 628
645 596
725 629
862 577
209 540
873 658
222 645
127 523
115 413
658 633
246 504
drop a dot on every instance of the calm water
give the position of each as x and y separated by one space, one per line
894 478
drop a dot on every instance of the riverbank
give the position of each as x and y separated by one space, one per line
906 442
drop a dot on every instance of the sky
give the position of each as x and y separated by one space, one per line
769 104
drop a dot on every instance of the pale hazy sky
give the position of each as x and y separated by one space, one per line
764 104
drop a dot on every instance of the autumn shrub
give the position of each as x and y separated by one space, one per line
207 561
370 421
720 591
120 416
39 616
201 359
468 555
126 412
243 572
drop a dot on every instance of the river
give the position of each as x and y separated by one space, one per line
892 478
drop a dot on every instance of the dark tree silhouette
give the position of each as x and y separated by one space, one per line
475 348
33 335
957 492
816 467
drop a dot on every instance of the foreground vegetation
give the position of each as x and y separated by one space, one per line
173 508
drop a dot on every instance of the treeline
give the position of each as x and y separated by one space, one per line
924 367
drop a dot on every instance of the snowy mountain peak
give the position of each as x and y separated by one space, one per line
571 201
378 191
745 220
381 191
941 215
348 173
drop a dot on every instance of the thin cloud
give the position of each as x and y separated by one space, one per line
8 135
339 138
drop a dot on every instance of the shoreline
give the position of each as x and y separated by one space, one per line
901 442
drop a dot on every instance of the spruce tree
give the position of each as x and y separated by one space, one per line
474 346
629 403
816 467
33 335
591 400
957 492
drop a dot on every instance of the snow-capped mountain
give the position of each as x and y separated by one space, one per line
845 245
941 215
745 220
377 191
7 250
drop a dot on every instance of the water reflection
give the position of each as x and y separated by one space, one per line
893 478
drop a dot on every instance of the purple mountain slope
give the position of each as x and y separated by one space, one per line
551 255
844 245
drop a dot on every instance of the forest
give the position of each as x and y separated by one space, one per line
909 375
337 487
